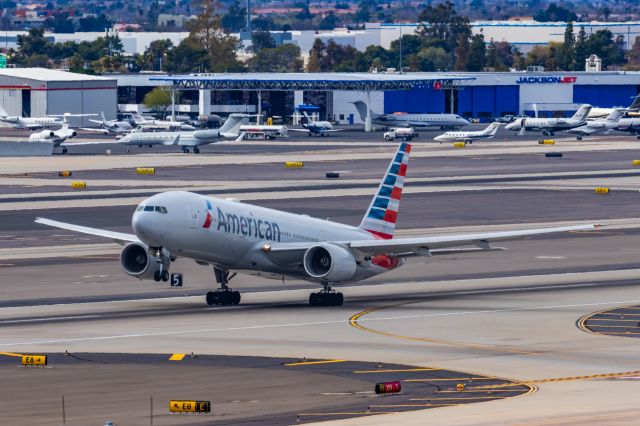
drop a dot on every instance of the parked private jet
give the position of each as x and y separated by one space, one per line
548 126
443 121
30 123
318 128
468 137
234 236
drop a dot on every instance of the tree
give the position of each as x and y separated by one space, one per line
443 23
609 50
567 52
262 40
94 23
555 13
461 53
158 100
205 32
581 50
33 43
633 57
60 23
155 56
284 58
476 58
433 59
235 19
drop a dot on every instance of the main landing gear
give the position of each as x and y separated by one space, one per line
327 297
224 295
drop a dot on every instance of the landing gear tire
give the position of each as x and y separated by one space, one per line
164 275
157 276
326 299
196 150
224 295
579 138
65 150
185 150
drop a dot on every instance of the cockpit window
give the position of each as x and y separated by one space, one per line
161 209
157 209
139 208
148 208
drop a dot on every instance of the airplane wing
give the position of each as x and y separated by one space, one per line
422 246
94 129
299 130
119 237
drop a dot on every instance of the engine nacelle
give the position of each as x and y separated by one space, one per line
205 134
329 262
137 262
71 134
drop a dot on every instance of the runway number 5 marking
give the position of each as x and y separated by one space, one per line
176 280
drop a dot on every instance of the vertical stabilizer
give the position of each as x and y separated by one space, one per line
382 213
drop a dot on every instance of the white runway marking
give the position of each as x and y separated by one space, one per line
47 319
551 257
314 323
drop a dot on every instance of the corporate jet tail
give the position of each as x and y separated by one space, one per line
616 115
522 127
382 213
362 109
3 112
636 103
231 127
492 129
582 113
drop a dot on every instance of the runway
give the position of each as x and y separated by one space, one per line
512 315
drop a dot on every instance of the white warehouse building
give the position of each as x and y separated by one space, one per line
36 92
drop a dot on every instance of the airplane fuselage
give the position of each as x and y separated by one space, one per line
234 235
420 120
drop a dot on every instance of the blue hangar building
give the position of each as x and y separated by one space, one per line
498 93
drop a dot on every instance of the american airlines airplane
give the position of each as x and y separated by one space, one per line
233 236
443 121
550 125
468 137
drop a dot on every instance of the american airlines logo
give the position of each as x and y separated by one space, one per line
249 226
547 80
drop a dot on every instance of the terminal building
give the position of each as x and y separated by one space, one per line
38 92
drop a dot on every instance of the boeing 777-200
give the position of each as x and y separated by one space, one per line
234 236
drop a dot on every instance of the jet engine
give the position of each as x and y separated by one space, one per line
71 134
329 262
205 134
45 134
137 262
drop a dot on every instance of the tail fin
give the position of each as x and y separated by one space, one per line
102 115
3 112
616 114
309 120
233 123
380 219
492 129
362 109
636 103
582 113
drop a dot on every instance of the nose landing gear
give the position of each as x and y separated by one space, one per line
224 295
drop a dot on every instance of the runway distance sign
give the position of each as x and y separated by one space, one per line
179 406
34 360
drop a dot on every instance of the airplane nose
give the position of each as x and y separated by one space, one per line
145 229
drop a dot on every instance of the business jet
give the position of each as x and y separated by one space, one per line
30 123
629 125
443 121
116 127
185 140
594 127
58 137
548 126
468 137
596 112
317 128
153 124
234 236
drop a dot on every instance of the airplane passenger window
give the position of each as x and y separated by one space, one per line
148 208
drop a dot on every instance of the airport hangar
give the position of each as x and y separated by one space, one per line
36 92
474 95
